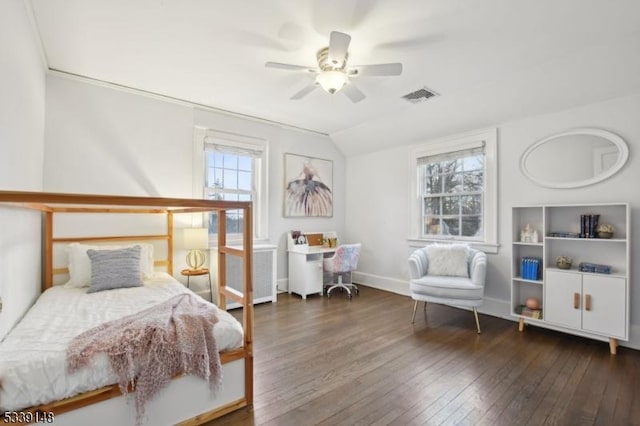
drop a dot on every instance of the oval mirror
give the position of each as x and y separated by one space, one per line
574 158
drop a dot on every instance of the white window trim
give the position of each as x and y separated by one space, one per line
260 205
459 142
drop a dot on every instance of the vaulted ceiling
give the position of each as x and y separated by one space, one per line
490 60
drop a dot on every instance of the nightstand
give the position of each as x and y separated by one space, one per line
195 273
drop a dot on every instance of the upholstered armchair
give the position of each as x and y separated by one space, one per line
451 274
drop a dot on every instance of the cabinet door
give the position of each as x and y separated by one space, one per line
316 277
563 298
606 311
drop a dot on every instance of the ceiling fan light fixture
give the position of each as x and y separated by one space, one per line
332 81
333 73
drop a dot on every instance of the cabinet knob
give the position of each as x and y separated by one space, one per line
576 300
587 302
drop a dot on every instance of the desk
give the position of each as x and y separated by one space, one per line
306 274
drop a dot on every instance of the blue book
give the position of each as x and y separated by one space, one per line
527 268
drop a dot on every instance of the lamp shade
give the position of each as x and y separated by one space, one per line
332 81
196 238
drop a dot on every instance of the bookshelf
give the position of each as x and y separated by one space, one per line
589 304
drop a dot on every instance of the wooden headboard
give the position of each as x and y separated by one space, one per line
51 203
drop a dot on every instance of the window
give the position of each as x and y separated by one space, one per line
455 190
234 170
452 193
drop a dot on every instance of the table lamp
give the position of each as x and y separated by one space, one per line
194 240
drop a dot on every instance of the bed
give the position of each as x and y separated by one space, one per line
33 355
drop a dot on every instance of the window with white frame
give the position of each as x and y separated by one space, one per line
452 192
235 170
455 187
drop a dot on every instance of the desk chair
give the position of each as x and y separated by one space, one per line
344 260
448 274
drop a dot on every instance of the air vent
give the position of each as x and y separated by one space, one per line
420 95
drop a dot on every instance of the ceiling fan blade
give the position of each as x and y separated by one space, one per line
288 66
338 47
377 70
352 92
304 92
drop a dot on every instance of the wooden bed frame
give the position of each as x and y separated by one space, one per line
52 203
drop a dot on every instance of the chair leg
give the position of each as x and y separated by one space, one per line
340 285
415 306
475 313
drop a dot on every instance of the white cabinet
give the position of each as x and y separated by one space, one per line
305 273
589 304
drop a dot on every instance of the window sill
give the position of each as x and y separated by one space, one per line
487 247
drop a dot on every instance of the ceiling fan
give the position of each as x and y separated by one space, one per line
334 74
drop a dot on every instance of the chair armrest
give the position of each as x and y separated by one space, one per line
478 269
418 264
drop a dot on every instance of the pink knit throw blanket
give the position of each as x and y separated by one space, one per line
150 347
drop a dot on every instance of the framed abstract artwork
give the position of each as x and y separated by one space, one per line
308 186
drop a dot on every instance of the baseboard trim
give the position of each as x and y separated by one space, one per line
491 306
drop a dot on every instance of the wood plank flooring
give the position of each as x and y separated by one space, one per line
361 362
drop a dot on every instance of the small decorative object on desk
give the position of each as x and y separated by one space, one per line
528 234
564 262
605 230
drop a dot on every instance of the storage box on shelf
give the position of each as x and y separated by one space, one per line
591 298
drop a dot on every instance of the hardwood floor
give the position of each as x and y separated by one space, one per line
361 362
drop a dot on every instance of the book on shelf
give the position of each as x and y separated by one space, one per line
594 267
529 313
563 234
588 225
530 268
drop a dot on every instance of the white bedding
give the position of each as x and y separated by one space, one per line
33 355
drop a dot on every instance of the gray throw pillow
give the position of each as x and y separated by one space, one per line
111 269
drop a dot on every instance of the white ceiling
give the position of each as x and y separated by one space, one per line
491 60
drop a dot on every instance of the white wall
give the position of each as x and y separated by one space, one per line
106 141
22 114
377 199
